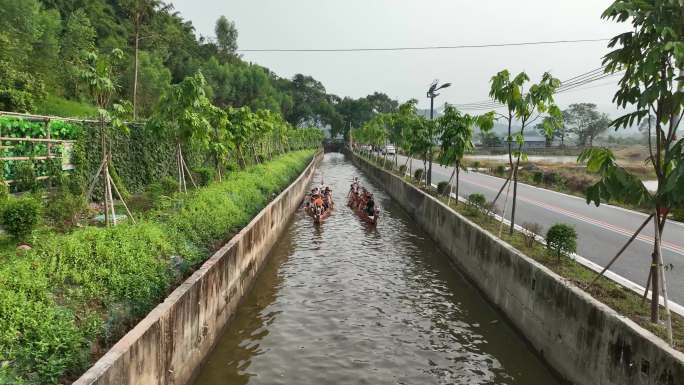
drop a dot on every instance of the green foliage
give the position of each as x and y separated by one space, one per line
63 209
58 106
538 177
93 283
19 216
25 175
418 174
477 200
205 175
586 122
443 188
561 239
500 169
402 169
226 36
616 183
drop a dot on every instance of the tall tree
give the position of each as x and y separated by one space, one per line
77 40
651 55
139 11
226 36
526 107
457 138
586 122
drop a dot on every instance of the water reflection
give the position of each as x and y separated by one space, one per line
347 303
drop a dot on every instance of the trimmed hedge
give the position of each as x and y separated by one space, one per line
75 294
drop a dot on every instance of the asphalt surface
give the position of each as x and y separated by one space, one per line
601 231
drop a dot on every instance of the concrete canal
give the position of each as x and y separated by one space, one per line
343 303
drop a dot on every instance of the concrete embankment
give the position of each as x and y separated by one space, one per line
168 345
585 341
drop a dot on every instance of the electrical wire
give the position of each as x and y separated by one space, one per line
575 83
424 48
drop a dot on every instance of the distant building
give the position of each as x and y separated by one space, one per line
531 141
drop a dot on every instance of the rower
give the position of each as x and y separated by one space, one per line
370 205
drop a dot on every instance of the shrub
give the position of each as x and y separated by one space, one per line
500 169
551 178
531 229
20 216
4 191
678 214
476 204
418 174
402 170
561 239
63 210
443 188
477 200
476 164
538 177
25 175
166 186
205 175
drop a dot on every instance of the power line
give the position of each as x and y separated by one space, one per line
574 83
424 48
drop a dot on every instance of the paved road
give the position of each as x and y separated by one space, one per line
601 231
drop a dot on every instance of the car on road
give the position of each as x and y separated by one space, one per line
389 150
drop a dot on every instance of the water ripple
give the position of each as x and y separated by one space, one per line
344 303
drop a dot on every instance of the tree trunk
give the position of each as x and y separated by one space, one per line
458 173
655 276
515 196
135 75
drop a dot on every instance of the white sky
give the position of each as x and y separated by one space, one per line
390 23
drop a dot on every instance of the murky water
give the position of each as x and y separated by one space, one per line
346 304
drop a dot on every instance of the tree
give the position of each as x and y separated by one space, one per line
490 139
139 11
457 138
101 75
226 36
586 122
184 113
652 57
550 135
526 107
77 40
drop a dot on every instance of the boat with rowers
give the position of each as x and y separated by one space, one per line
362 202
318 204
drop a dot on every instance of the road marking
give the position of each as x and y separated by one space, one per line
644 238
628 211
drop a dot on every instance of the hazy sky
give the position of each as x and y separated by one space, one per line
390 23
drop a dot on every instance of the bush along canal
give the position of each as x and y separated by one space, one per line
347 303
68 299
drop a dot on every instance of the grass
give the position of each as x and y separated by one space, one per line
619 298
63 303
58 106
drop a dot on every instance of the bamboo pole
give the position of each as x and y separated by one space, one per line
121 199
629 242
663 284
503 213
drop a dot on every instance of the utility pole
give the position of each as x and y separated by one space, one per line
431 94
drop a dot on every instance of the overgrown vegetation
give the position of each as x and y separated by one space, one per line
64 301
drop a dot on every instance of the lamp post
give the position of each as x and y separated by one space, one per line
431 94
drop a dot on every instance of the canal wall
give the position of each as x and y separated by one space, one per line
585 341
168 346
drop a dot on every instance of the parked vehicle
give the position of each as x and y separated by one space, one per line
389 150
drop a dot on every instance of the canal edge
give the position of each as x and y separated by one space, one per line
169 345
583 340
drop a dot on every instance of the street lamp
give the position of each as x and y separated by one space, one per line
432 94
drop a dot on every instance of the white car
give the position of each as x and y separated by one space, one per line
389 150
